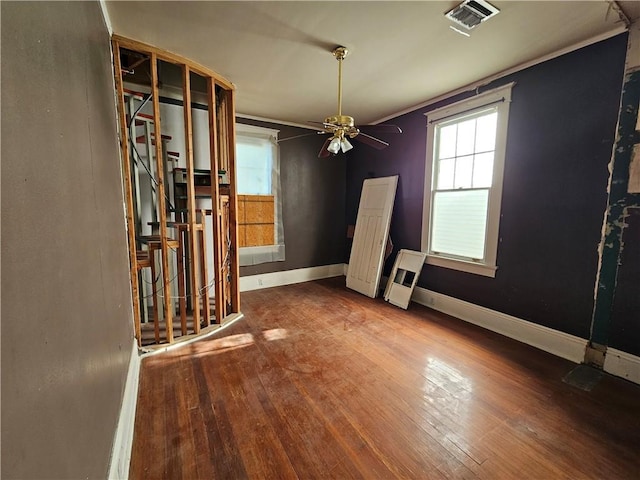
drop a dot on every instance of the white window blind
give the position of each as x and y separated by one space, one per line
460 223
254 165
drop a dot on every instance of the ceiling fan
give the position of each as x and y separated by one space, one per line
342 127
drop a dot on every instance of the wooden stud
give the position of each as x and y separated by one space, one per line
223 163
204 270
166 281
226 252
154 294
218 238
233 203
182 300
191 198
126 160
223 145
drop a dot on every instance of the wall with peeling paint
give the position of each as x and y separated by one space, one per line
625 315
616 315
561 132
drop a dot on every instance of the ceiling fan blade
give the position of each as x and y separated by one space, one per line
324 153
280 140
381 128
371 141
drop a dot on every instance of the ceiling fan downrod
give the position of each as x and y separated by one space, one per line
340 125
340 53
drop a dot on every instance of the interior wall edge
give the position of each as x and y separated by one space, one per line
106 17
123 437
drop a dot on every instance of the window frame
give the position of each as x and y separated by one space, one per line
265 253
501 97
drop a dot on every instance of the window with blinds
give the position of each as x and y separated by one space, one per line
466 144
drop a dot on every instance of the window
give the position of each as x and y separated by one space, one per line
465 154
254 164
260 231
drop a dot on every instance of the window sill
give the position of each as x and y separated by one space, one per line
257 255
463 266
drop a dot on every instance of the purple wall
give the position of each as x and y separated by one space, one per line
561 130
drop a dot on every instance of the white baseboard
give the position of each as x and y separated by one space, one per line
622 364
287 277
547 339
123 438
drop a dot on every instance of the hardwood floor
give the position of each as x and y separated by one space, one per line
319 381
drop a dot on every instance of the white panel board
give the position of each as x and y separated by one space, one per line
404 277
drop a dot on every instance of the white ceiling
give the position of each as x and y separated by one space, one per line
401 53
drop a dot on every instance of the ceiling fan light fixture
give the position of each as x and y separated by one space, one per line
334 145
345 145
342 127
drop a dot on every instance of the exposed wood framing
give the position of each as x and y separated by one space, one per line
172 58
233 202
131 226
222 127
156 316
191 229
218 238
182 300
203 272
166 281
191 198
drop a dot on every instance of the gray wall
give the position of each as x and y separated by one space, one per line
67 322
313 202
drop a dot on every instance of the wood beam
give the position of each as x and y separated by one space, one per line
166 281
206 312
128 191
234 268
191 198
218 236
171 57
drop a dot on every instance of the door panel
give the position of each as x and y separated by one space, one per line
370 236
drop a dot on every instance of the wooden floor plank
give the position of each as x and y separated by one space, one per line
317 381
223 448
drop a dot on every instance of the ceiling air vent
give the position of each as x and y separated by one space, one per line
471 13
